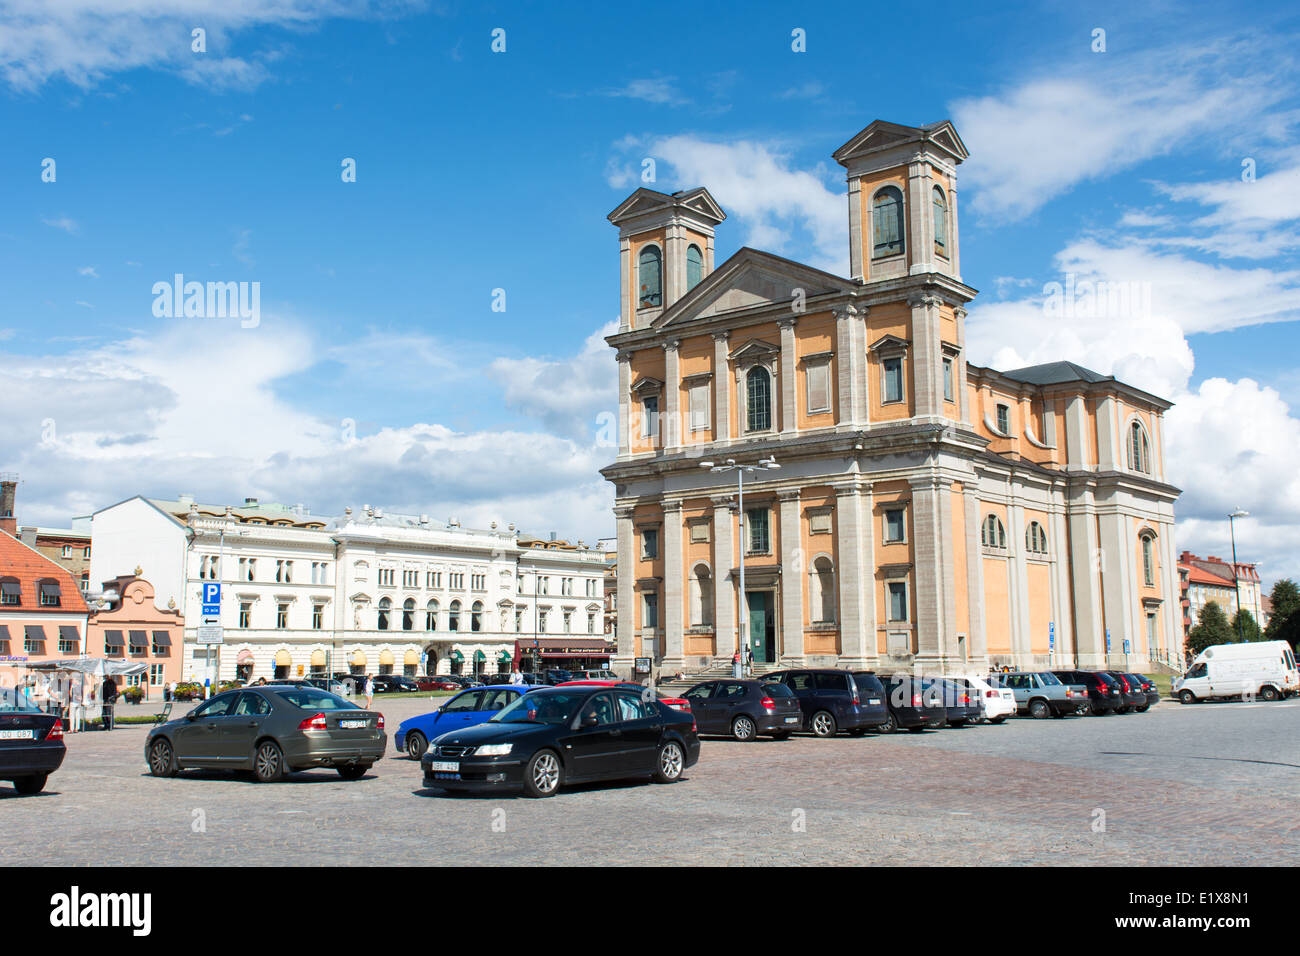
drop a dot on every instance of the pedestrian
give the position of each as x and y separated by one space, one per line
108 695
735 664
370 692
749 661
516 676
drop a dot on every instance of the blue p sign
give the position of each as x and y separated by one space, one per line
212 592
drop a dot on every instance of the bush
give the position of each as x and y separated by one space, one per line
133 695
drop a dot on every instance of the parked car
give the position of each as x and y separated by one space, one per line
466 709
1133 696
1264 669
31 743
1152 691
561 735
745 709
600 674
1104 694
556 675
961 706
270 730
443 683
911 705
834 700
677 703
331 685
1042 693
395 684
996 703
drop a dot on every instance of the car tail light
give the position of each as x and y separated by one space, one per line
990 693
916 700
314 723
767 703
55 732
963 699
381 721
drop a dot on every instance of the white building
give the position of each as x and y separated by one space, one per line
367 593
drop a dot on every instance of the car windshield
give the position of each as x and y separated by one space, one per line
540 709
1048 678
312 699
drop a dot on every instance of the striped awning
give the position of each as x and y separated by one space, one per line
139 642
69 633
162 639
34 633
113 639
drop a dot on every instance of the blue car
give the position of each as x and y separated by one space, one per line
466 709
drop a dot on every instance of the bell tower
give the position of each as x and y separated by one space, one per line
665 250
903 200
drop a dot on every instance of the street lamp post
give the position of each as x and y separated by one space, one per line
1239 513
763 464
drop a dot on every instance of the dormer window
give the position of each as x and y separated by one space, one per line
50 593
694 266
650 278
887 223
10 591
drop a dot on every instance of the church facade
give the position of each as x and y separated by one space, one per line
926 513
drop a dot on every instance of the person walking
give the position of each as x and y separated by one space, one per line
735 665
749 661
516 677
370 692
108 695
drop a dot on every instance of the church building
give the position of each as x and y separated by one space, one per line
926 513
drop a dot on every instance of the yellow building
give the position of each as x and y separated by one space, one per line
927 512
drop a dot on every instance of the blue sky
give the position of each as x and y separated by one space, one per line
479 170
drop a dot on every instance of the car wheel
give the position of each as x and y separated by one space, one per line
353 771
416 745
889 726
30 785
268 762
671 763
823 724
1097 711
1038 709
1268 693
742 728
162 759
1186 697
542 775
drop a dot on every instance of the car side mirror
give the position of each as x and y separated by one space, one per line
589 720
191 715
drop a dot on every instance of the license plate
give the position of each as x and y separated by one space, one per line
444 766
353 724
17 735
792 720
874 701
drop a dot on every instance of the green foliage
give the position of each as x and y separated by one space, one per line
1284 624
1245 627
133 695
1213 628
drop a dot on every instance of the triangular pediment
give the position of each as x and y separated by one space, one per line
751 279
647 386
754 350
646 201
882 135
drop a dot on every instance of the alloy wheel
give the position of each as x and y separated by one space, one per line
546 773
670 761
743 728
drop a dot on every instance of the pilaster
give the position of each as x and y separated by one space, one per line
793 569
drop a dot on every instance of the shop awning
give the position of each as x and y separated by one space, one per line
456 656
69 633
318 658
412 657
35 635
386 658
504 657
283 658
480 656
112 639
555 647
244 655
162 639
358 658
139 642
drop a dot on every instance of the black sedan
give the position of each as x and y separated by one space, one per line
271 730
745 708
394 684
31 743
912 704
563 735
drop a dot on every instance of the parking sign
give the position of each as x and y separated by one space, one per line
211 597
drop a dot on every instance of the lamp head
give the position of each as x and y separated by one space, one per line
1239 513
706 464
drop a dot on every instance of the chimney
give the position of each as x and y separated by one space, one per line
8 490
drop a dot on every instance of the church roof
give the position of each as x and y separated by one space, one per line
1056 373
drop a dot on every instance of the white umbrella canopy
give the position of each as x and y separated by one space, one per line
93 665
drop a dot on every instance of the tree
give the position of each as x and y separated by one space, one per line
1213 628
1245 627
1284 624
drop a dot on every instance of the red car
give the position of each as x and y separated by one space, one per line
437 683
676 703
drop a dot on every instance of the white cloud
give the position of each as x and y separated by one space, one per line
70 226
88 271
569 396
651 90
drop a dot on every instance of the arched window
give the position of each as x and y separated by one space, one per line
1148 560
408 614
385 606
431 616
940 205
992 534
694 266
650 276
1036 539
887 223
701 596
453 616
822 591
1139 449
476 616
758 399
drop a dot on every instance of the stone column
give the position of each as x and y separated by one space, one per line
674 261
794 565
1085 558
624 402
1117 584
789 375
959 370
928 578
927 356
847 365
920 224
1108 443
721 387
1021 635
670 427
724 586
626 626
954 250
854 576
978 636
855 228
627 307
673 610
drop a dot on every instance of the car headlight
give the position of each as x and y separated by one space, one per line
492 750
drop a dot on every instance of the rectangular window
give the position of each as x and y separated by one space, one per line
894 526
67 550
760 540
252 568
1004 419
410 579
699 405
897 601
650 543
892 371
651 617
947 380
317 617
568 622
819 387
699 532
155 675
85 553
282 616
288 572
386 576
51 596
245 612
162 644
650 416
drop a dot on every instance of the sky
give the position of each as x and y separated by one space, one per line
428 335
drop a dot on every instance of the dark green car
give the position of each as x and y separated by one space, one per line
270 731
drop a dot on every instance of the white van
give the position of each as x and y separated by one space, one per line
1264 669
